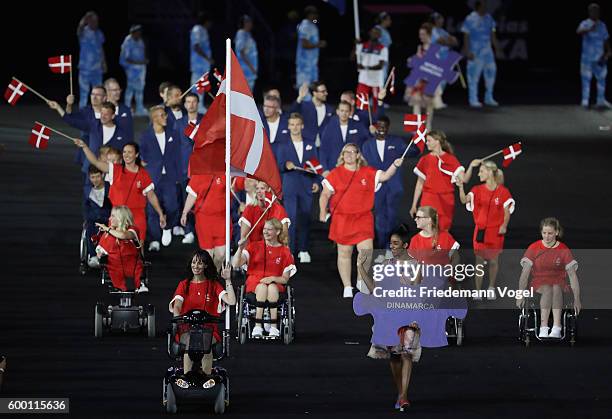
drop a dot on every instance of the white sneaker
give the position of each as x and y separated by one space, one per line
491 102
178 231
93 262
304 257
543 332
154 246
475 104
188 239
361 286
166 237
274 332
143 288
585 103
491 294
555 332
348 292
257 332
604 104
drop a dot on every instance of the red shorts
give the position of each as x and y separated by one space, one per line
349 229
210 230
493 243
537 282
140 220
253 280
444 203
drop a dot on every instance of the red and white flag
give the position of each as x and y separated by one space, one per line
14 91
362 101
61 64
251 152
314 166
39 138
419 138
511 153
217 75
412 121
191 130
203 84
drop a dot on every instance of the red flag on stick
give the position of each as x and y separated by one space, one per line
510 153
39 138
313 166
251 153
203 84
14 91
362 101
419 138
61 64
412 121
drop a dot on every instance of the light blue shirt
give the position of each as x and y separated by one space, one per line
244 41
593 41
436 34
479 29
307 57
385 36
199 36
90 42
134 50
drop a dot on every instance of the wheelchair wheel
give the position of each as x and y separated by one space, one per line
83 252
460 332
239 314
151 322
220 401
242 334
98 317
523 334
171 406
571 329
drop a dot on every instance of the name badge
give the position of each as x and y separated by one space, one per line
352 131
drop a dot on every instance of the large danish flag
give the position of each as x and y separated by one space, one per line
251 152
14 91
511 153
39 138
61 64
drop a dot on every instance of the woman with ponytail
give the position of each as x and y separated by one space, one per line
432 246
270 265
436 172
491 203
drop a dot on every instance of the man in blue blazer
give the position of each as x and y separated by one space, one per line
123 113
298 185
160 151
316 112
173 105
192 115
380 152
275 123
340 130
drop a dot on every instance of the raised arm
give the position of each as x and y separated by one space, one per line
388 174
91 157
468 173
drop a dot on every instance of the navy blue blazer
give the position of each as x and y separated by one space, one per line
172 119
394 148
363 116
152 155
332 142
296 182
283 128
309 113
186 143
91 211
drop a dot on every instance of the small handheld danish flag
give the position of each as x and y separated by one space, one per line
14 91
203 84
39 138
363 101
61 64
313 166
510 153
419 138
412 121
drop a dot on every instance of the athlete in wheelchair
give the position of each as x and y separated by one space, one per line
549 262
124 273
266 300
195 338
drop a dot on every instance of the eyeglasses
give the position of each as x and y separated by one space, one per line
321 91
420 217
351 152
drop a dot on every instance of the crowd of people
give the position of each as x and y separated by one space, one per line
141 191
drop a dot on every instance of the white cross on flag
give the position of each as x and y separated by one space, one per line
363 101
61 64
313 166
250 150
39 138
14 91
419 139
412 121
510 153
203 84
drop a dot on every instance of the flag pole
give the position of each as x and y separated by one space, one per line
260 217
369 110
71 93
356 19
228 101
188 90
56 131
32 90
407 148
389 77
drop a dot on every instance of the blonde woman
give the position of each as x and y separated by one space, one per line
491 203
349 189
270 265
119 241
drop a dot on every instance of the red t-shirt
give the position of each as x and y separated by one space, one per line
353 191
210 193
263 260
128 188
252 213
435 180
205 295
488 206
123 258
426 251
549 264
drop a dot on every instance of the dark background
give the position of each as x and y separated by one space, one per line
33 32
